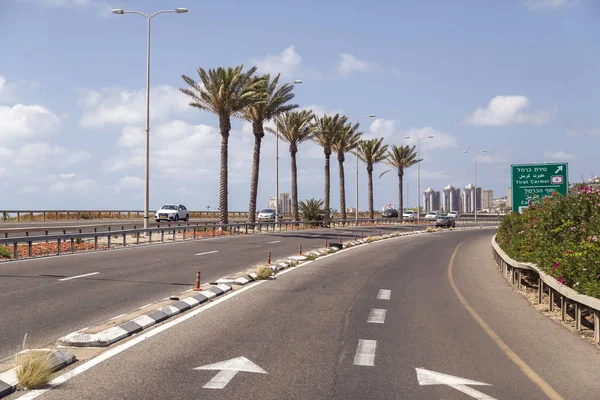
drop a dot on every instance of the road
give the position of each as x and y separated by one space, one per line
309 332
36 301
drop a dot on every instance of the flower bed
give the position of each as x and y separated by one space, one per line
560 235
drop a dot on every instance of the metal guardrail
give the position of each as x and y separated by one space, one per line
513 270
188 232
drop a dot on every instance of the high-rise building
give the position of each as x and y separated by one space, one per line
285 203
469 197
272 203
452 199
509 197
431 200
487 199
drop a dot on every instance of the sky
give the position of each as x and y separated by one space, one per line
518 78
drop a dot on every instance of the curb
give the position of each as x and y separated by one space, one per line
58 360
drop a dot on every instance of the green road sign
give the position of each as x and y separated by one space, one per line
532 182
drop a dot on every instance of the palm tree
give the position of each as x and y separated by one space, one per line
326 130
273 103
312 210
294 127
346 140
400 158
371 152
224 92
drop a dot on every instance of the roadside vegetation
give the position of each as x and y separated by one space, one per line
5 252
560 235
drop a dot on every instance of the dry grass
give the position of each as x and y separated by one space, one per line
263 272
311 257
429 229
34 369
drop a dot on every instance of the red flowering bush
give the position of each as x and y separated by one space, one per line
559 234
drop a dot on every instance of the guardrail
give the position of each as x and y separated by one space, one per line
513 271
69 242
56 215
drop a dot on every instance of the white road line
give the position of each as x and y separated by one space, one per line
377 316
274 241
59 380
79 276
384 294
365 352
207 252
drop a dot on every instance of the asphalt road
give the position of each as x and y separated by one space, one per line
36 301
304 330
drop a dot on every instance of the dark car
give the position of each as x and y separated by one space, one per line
445 221
390 213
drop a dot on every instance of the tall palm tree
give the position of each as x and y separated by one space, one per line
294 127
326 130
224 92
273 103
400 158
371 152
346 140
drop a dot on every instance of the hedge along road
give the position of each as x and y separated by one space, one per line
377 322
50 297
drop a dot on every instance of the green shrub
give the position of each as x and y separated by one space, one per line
560 235
5 252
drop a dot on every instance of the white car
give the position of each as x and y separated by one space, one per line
453 214
409 214
172 212
268 214
432 215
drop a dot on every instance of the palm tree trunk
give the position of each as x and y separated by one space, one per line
342 189
225 126
370 174
327 177
295 214
400 194
258 135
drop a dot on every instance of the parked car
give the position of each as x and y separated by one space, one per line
409 214
172 212
268 214
453 214
445 221
389 213
432 215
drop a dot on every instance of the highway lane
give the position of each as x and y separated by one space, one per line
36 301
358 326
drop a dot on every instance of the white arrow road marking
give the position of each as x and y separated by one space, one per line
79 276
228 369
207 252
384 294
427 377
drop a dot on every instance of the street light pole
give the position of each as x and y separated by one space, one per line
147 164
475 179
419 138
356 154
294 82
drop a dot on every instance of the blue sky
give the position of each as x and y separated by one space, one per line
516 77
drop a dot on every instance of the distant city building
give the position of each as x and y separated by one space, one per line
452 199
487 199
431 200
509 197
469 197
285 203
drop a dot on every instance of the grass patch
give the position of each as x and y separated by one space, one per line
263 272
5 252
293 263
311 257
439 229
34 369
429 229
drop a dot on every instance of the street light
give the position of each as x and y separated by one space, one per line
475 178
147 184
294 82
419 138
356 119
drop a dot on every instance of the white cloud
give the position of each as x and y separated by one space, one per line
113 106
349 64
507 110
440 139
552 4
68 176
131 182
584 132
396 73
21 123
287 63
42 155
7 91
558 155
76 187
494 158
103 8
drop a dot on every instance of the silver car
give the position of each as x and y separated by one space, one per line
268 214
172 212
